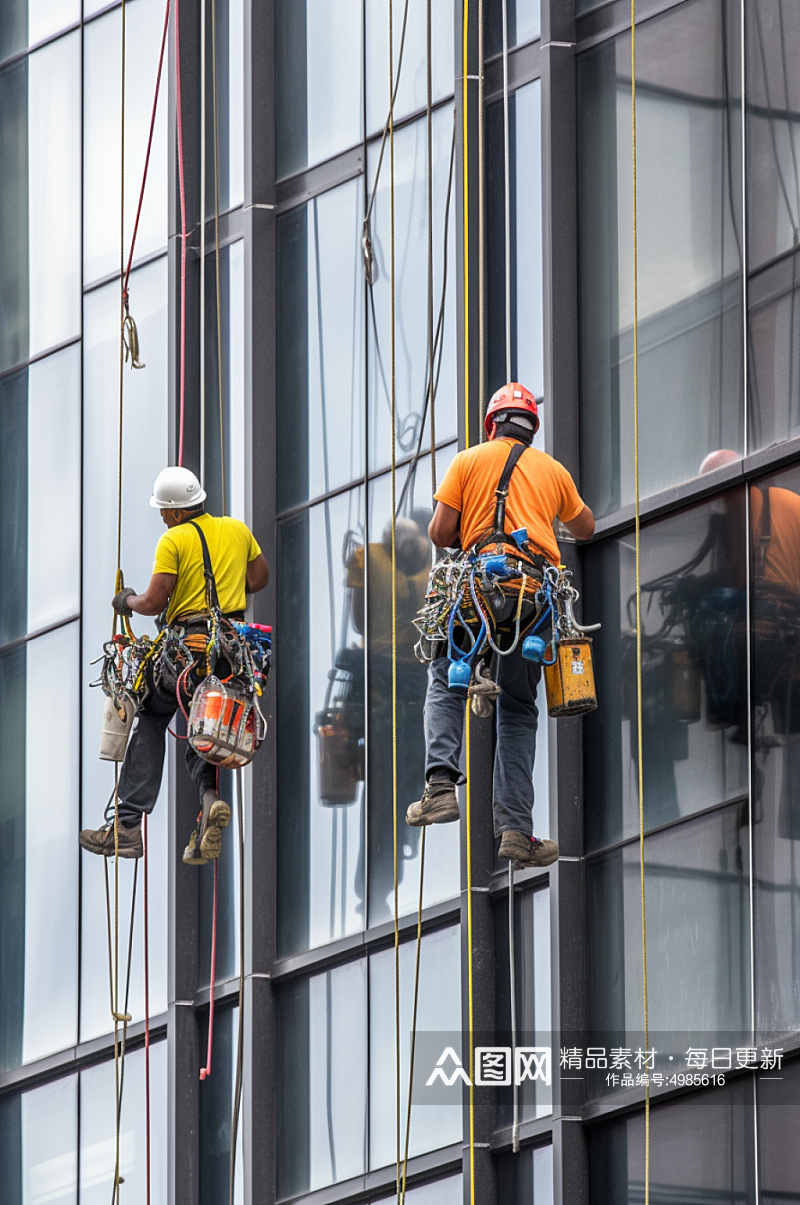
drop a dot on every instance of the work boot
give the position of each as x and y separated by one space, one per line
205 842
101 840
527 851
438 805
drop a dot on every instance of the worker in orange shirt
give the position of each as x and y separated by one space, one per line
538 491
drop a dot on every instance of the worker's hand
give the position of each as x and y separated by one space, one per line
120 602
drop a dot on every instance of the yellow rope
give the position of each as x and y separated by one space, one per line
467 793
217 250
639 599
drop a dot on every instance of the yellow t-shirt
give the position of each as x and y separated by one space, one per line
410 593
540 490
231 545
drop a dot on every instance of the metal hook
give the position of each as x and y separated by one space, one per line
130 338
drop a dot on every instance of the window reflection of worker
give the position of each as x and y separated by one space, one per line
540 490
775 623
412 563
178 584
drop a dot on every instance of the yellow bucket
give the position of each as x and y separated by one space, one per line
569 681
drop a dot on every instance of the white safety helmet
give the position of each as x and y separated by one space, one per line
176 487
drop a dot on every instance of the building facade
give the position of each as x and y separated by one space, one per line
329 332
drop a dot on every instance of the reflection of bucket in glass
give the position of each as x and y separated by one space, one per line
338 761
222 724
118 716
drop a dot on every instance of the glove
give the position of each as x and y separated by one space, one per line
120 602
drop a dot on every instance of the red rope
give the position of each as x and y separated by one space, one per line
146 1016
147 156
206 1071
182 190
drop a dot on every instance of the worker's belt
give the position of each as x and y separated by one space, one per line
190 618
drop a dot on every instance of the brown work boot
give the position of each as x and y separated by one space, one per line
215 816
438 805
192 855
527 851
101 840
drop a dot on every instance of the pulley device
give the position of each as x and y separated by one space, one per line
498 593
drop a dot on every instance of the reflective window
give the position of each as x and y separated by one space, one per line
38 1144
410 78
216 1099
413 564
694 670
773 181
101 116
320 395
230 106
227 898
701 1149
778 1151
98 1144
524 24
144 455
775 700
698 932
526 1178
233 408
533 987
411 276
322 1079
689 250
39 877
40 195
439 1015
319 86
320 718
525 192
40 450
441 1192
25 22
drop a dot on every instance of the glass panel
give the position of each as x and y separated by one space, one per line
319 87
230 105
144 455
413 564
533 986
320 346
216 1099
322 1079
773 145
778 1150
40 471
526 1178
524 23
411 87
441 1192
775 688
232 308
39 879
49 1144
40 191
98 1147
694 670
101 117
439 1010
698 932
227 899
411 277
527 345
701 1149
689 250
320 718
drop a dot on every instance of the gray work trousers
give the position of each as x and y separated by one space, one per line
517 719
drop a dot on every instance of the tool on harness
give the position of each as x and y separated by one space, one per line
225 725
118 716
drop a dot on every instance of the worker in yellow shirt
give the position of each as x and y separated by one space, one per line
178 586
537 491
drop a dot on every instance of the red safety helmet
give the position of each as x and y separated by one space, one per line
511 397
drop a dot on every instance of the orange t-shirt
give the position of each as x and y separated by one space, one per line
540 491
782 562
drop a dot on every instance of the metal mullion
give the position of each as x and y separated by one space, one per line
662 828
612 19
112 277
42 355
360 1190
29 636
524 66
79 1057
531 1135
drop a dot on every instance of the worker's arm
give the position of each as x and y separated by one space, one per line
155 597
257 574
582 526
443 527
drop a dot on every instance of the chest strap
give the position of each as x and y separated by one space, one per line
208 572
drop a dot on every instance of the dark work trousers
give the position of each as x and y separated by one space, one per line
140 778
517 720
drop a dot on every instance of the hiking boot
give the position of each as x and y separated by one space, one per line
527 851
192 855
438 805
101 840
216 816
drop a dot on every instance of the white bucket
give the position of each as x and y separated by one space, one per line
117 724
